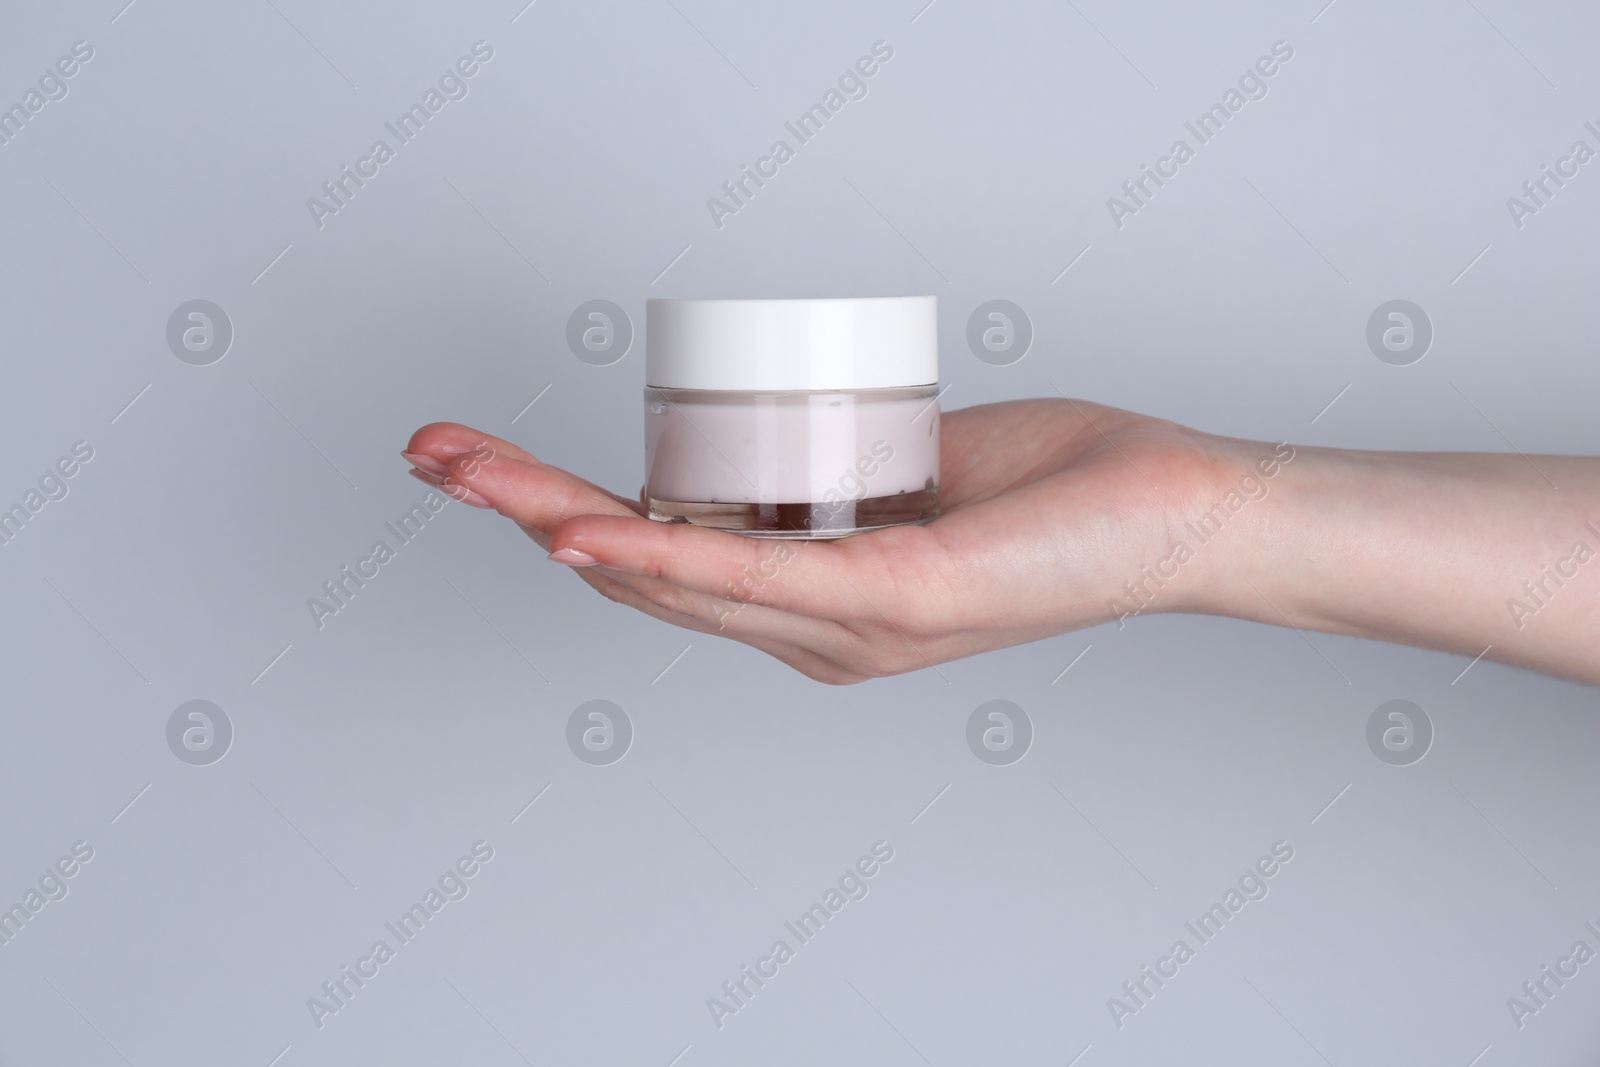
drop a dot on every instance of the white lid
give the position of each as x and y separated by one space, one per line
780 345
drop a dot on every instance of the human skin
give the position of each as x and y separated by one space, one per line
1059 514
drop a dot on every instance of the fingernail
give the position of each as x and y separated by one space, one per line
424 463
573 558
424 476
465 495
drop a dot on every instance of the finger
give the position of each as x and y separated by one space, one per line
727 617
488 470
532 494
807 661
864 623
819 579
444 448
444 441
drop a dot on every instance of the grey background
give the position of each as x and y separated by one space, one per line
368 755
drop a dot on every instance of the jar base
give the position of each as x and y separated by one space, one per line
802 521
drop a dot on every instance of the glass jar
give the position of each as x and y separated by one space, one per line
792 418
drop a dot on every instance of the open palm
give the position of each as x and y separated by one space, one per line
1048 507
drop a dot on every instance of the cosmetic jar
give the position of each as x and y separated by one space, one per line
792 418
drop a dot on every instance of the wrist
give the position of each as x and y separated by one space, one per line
1231 519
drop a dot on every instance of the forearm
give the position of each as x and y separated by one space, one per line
1456 551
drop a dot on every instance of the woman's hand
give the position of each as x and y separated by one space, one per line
1060 514
1049 507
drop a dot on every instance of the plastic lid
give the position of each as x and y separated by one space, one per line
782 345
